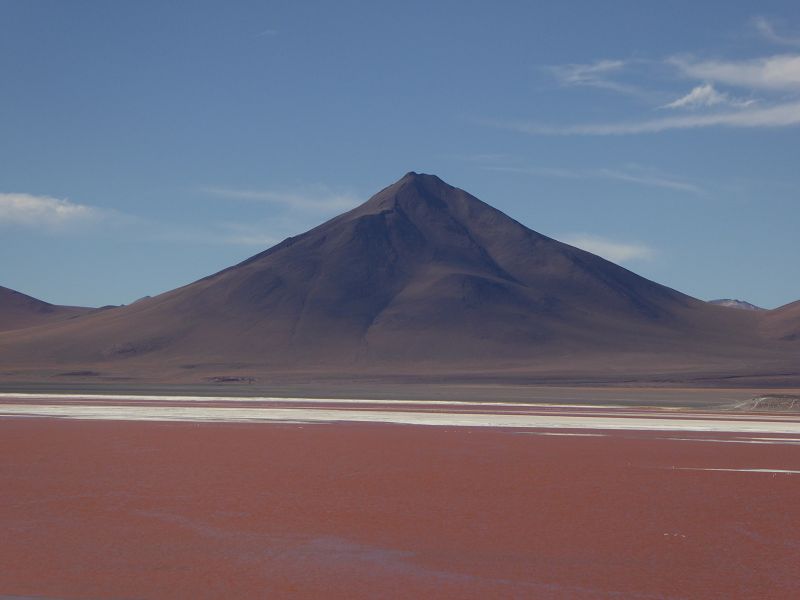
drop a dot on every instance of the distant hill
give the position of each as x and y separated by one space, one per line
732 303
19 311
422 279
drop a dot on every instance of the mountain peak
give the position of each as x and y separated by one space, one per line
421 193
422 273
735 303
424 185
414 176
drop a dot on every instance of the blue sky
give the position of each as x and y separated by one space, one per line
147 144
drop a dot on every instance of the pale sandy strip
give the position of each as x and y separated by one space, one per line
747 440
224 414
564 434
741 440
785 471
566 409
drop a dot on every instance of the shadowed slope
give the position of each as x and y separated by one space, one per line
421 276
784 322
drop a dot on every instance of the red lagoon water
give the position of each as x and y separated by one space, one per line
114 509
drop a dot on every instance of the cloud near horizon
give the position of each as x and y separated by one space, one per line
609 249
46 212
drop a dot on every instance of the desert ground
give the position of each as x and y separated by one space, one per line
189 496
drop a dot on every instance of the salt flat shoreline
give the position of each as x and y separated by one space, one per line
275 410
710 398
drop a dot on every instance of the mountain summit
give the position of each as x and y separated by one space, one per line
422 276
735 303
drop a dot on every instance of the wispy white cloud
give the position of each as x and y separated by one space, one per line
299 211
702 95
767 30
706 95
599 74
46 212
779 72
592 74
713 101
291 210
318 198
648 178
612 250
780 115
634 175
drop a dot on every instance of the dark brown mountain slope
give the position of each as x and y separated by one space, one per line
422 277
18 311
784 322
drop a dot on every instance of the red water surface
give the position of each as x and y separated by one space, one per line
179 510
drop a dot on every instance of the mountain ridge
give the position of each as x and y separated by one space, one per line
422 276
19 311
